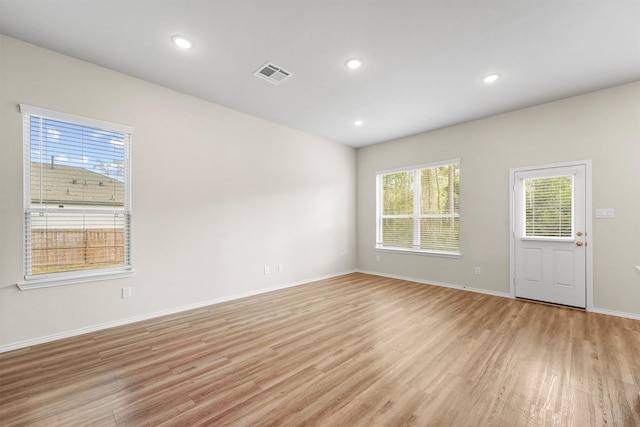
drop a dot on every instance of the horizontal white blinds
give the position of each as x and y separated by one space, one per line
75 164
77 204
419 209
549 206
64 242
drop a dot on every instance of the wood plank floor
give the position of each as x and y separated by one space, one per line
357 350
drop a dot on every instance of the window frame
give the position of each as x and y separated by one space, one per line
35 281
416 216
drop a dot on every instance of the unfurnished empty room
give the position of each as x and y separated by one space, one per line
320 213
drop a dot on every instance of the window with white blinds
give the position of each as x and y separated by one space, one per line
549 206
77 204
418 209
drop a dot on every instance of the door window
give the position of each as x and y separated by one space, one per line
549 206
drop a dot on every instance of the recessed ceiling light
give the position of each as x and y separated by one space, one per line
354 63
491 78
182 42
358 122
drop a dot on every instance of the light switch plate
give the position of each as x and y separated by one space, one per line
605 213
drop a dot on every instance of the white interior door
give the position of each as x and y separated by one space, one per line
549 211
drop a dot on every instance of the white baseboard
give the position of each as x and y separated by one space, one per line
615 313
495 293
444 285
129 320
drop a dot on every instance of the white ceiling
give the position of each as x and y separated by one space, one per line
424 60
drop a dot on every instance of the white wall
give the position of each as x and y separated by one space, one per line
603 126
217 195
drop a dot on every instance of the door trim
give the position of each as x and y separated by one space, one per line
588 224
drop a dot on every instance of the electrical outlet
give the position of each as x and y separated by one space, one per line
266 270
476 271
378 258
280 268
126 292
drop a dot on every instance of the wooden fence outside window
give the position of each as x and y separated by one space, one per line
57 250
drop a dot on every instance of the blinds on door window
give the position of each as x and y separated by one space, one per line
549 206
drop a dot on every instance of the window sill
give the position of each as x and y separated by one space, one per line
419 252
69 279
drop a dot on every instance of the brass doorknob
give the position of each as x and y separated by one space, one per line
579 233
579 243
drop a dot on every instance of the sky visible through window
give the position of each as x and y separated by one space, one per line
61 143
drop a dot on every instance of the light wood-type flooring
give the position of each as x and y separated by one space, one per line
356 350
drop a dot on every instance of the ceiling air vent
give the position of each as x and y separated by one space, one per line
272 73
